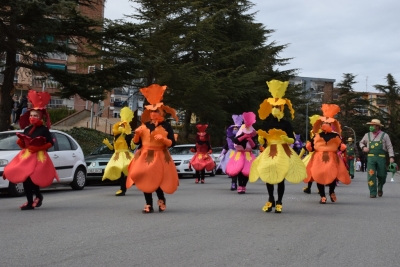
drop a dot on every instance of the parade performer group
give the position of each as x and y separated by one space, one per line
152 168
325 166
376 143
117 167
242 157
278 161
33 166
202 161
229 147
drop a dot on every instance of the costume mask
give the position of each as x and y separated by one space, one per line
372 129
33 120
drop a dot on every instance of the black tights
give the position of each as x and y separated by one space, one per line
29 188
242 180
321 188
149 196
201 174
281 191
122 182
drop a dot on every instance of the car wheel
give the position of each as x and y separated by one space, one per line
79 179
16 190
212 174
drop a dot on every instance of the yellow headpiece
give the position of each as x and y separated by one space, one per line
126 115
277 90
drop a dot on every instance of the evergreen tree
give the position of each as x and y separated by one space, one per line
390 117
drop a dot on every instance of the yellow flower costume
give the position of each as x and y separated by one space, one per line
117 167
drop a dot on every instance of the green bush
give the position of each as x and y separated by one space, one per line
58 114
88 139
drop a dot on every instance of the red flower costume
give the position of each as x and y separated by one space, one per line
32 162
202 160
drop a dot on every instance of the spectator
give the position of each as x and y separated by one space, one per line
22 107
14 109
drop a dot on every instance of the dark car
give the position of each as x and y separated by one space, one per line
96 162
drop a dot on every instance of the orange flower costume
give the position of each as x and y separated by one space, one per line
152 168
325 166
33 166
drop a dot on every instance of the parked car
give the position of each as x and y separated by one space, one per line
66 154
216 151
96 163
181 156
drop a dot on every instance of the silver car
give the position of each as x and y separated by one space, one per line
181 156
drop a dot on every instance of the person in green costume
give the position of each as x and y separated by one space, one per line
351 153
376 144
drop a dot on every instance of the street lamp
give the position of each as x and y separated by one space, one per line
319 93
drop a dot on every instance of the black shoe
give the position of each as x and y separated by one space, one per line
27 206
352 176
120 193
380 193
372 196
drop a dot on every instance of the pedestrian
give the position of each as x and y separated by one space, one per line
358 165
14 109
202 161
117 167
21 108
33 166
278 161
325 166
363 159
350 155
229 148
152 169
244 142
376 144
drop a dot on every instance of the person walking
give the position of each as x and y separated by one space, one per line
21 108
33 166
278 162
14 109
376 144
325 166
117 167
152 169
350 155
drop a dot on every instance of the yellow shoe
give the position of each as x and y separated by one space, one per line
278 208
120 193
268 207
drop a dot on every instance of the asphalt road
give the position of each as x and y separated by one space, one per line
204 225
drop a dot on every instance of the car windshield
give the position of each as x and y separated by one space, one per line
101 150
183 150
8 141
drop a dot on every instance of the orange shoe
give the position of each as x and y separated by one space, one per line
147 209
323 200
333 197
161 205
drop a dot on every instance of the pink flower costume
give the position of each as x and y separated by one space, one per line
241 159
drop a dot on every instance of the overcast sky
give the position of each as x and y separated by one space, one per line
327 38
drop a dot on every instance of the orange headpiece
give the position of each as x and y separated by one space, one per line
154 94
329 111
39 102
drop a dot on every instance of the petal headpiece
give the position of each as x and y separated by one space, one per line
329 111
39 102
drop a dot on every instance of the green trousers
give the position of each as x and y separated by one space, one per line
376 170
350 162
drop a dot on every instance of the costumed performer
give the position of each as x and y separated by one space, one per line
229 148
376 143
117 167
350 155
201 161
152 168
33 166
325 165
278 161
244 142
307 158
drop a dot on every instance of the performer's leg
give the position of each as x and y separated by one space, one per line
197 177
37 202
234 183
28 189
332 194
122 183
381 174
148 207
161 200
281 191
271 200
307 189
321 189
202 174
371 174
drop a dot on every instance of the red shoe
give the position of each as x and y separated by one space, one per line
197 180
37 202
202 181
26 206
